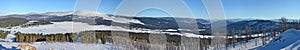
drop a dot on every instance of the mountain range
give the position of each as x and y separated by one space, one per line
162 23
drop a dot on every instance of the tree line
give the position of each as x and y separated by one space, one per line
85 37
3 34
264 33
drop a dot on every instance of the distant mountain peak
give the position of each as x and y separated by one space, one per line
79 12
58 13
88 13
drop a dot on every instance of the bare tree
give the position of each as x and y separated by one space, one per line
273 32
298 24
283 24
294 24
240 32
248 33
257 34
233 34
264 36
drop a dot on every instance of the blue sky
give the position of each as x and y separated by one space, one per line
261 9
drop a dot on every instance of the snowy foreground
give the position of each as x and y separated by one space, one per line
288 40
59 46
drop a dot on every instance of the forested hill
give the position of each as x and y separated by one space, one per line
6 22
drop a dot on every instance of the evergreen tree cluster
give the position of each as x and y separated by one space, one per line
3 34
68 37
85 37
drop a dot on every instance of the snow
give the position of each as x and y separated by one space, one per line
62 46
88 13
68 27
287 40
8 45
9 38
63 27
194 35
245 45
252 23
251 44
58 13
293 46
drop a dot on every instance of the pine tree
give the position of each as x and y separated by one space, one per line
52 38
48 38
72 36
63 38
17 37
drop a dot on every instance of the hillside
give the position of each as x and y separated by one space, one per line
288 40
7 22
266 24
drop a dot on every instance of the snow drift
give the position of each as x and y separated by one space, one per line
282 41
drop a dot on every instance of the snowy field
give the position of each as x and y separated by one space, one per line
73 27
68 27
59 46
63 27
288 40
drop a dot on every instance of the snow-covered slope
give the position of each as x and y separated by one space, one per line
63 27
87 14
67 27
262 24
287 38
81 14
59 46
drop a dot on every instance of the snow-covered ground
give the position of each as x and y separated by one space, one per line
63 27
288 40
9 38
61 46
67 27
89 13
245 45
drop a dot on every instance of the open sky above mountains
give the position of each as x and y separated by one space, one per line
256 9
